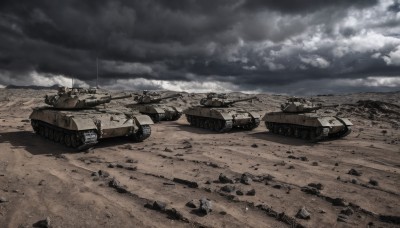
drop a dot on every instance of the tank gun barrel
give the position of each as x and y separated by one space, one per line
103 100
166 97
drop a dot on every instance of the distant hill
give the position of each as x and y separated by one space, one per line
32 87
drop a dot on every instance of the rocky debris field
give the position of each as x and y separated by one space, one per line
188 177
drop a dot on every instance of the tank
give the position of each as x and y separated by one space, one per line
299 118
149 104
217 113
76 119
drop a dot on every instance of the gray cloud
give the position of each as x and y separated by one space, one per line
242 44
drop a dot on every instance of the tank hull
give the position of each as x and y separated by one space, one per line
83 128
222 119
309 126
159 112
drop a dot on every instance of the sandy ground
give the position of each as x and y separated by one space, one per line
40 179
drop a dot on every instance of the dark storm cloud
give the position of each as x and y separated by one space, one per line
243 42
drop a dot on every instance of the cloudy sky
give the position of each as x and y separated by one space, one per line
286 46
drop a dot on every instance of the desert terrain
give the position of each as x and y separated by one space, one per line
251 178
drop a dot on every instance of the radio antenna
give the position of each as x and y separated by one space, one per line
97 72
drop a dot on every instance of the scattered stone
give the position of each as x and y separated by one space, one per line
228 188
252 192
314 164
190 184
103 173
373 182
310 190
354 181
390 219
95 174
291 167
131 168
205 205
277 186
269 177
111 165
174 214
342 218
336 164
347 211
222 213
45 223
354 172
339 202
224 179
246 179
167 149
239 192
130 160
3 199
41 182
303 214
292 157
115 184
96 178
119 166
25 121
159 206
254 145
303 158
318 186
191 204
208 182
322 211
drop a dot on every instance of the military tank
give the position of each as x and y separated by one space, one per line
216 112
149 104
75 119
298 118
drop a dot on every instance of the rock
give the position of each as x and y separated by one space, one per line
303 214
354 181
115 184
3 199
314 164
159 206
303 158
224 179
373 182
239 192
103 173
119 166
190 184
205 205
111 165
246 179
277 186
95 174
347 211
339 202
292 157
174 214
254 145
310 190
222 213
208 182
251 192
318 186
42 223
96 178
228 188
291 167
191 204
131 168
336 164
342 218
130 160
354 172
41 182
167 149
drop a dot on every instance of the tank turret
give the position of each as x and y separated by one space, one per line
154 98
77 98
220 100
301 105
